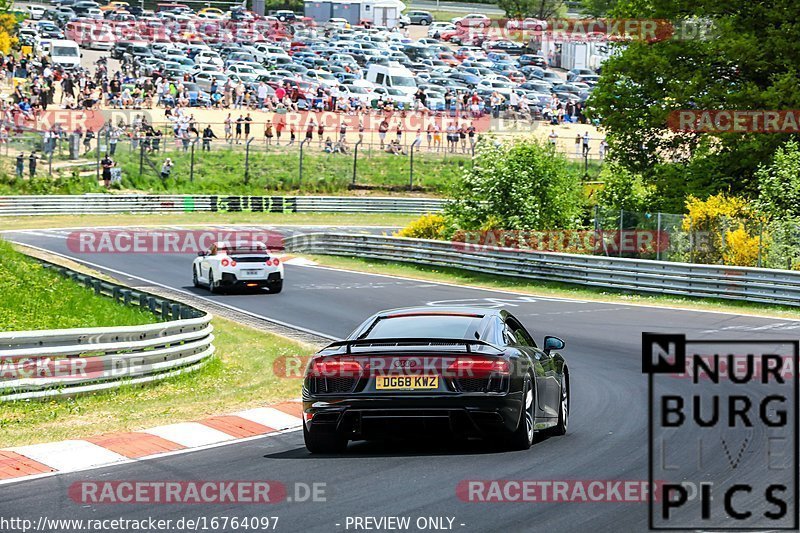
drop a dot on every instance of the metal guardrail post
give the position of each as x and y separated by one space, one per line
247 160
300 171
98 155
141 159
658 237
411 168
191 164
355 159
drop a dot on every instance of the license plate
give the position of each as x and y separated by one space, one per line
406 382
251 272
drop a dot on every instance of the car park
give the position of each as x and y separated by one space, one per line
368 64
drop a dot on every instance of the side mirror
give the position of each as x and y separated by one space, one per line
552 343
202 254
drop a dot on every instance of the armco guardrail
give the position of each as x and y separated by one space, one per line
757 285
145 204
37 364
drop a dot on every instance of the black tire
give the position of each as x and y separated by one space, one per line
212 287
563 409
275 288
522 437
194 278
323 442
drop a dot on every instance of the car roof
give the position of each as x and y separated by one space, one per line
441 311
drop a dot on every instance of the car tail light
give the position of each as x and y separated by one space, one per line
224 262
233 263
335 367
275 261
478 367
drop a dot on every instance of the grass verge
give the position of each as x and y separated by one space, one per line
240 376
176 219
552 289
223 172
33 298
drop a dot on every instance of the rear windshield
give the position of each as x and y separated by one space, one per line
427 326
244 249
252 259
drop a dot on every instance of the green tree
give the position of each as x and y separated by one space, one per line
540 9
597 8
779 183
623 189
746 61
517 185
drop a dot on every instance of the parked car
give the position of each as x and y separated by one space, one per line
473 20
423 18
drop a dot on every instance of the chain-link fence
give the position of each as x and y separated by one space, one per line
721 241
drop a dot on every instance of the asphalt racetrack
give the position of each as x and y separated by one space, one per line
607 438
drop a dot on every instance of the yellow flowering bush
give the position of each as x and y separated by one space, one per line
428 226
719 229
7 25
741 248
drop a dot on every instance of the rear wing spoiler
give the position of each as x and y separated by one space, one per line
411 341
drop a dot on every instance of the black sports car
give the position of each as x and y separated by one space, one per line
464 371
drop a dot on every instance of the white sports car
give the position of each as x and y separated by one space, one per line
246 265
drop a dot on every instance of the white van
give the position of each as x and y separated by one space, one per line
393 75
65 54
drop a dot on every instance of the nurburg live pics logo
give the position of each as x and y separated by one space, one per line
723 441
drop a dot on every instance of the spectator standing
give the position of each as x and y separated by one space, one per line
208 134
20 165
383 127
268 133
239 122
228 136
32 164
113 137
247 121
107 163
